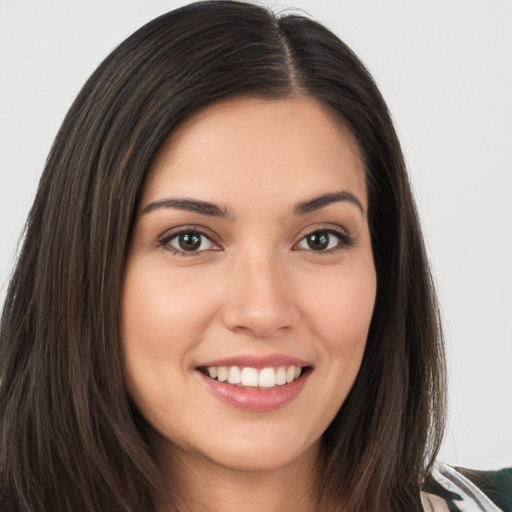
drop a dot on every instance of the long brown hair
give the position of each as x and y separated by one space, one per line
70 438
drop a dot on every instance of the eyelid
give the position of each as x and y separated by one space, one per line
345 239
167 236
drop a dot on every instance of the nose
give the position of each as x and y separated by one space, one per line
259 299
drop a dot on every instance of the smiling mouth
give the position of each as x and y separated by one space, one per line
264 378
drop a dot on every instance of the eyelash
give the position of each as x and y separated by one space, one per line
344 240
166 240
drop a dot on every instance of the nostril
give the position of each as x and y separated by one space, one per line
245 316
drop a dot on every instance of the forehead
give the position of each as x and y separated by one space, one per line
275 149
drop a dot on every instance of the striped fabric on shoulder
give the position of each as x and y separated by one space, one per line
462 494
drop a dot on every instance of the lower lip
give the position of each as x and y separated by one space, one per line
256 399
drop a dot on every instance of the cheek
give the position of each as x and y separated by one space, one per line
338 312
341 308
162 317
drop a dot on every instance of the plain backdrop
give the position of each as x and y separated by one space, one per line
445 69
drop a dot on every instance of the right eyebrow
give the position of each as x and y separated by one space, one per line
191 205
320 202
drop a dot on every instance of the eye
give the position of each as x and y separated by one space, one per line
188 243
325 240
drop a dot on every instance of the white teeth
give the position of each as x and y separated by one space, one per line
281 376
234 375
249 377
222 374
267 378
252 377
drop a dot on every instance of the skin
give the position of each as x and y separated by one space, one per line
255 286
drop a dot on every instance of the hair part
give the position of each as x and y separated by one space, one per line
70 437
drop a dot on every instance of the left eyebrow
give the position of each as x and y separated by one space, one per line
322 201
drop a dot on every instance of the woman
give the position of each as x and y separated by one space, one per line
222 298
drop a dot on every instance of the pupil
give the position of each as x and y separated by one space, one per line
189 241
318 241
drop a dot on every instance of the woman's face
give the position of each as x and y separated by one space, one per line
250 261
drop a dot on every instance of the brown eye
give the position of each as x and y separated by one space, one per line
325 240
318 241
188 243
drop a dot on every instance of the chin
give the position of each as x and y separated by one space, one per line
264 454
245 450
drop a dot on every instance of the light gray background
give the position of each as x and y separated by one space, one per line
445 68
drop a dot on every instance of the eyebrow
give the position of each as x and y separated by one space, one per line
320 202
214 210
192 205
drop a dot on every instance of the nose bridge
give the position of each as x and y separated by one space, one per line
259 298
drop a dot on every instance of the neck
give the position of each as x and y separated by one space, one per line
201 485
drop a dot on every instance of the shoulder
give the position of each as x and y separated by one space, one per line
465 490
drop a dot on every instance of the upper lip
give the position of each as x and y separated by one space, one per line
257 361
